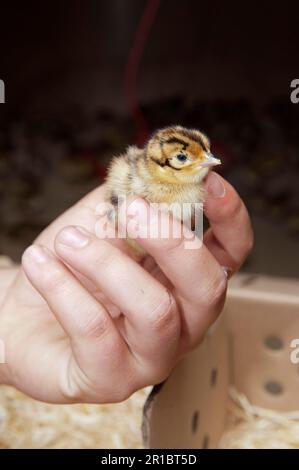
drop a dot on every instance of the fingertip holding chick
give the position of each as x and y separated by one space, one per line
215 188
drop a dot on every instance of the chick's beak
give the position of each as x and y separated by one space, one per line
210 161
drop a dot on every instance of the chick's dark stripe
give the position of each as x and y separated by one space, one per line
176 140
166 160
194 137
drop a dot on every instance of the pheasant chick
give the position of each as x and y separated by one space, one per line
169 169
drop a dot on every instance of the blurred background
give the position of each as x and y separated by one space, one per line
84 79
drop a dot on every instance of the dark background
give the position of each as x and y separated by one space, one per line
224 67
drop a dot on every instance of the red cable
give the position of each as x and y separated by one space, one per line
131 71
144 27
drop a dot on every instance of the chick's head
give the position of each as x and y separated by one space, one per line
180 155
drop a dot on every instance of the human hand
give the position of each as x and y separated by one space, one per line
94 326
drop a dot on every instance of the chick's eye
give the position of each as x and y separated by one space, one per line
181 157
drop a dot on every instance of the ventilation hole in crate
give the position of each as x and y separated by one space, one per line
273 342
195 421
213 377
205 442
274 388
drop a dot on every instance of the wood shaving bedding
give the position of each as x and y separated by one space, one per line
26 423
253 427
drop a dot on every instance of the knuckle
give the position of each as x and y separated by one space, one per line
164 318
217 289
115 355
94 326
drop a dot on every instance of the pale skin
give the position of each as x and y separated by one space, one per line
83 322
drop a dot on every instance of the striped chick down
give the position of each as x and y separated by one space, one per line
169 170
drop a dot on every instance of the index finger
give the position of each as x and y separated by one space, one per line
186 262
230 236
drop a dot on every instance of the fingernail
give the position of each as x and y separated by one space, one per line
75 237
38 254
215 187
